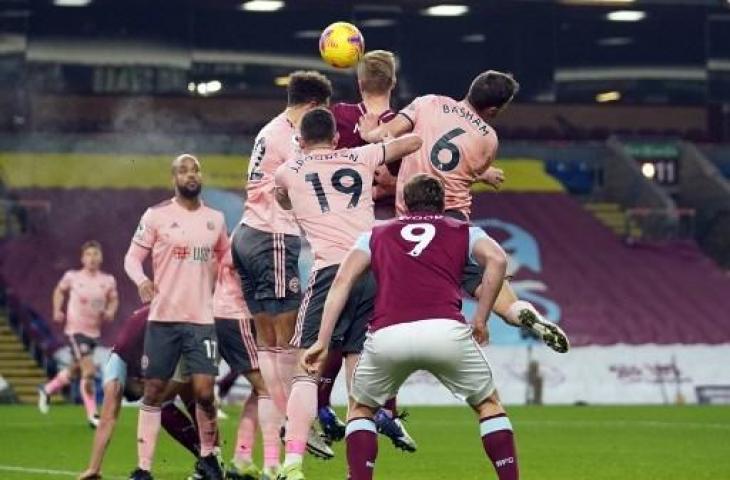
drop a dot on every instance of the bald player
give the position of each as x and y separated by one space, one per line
186 239
459 145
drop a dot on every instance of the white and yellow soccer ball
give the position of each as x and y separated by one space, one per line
341 45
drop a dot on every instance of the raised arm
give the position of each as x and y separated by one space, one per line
371 132
398 148
490 256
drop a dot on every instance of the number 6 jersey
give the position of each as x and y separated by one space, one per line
332 198
458 145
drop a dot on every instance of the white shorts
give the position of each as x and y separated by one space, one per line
445 348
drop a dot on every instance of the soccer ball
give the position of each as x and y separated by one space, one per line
341 45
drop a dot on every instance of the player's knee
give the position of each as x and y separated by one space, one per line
153 392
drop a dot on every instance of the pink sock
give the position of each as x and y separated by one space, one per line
286 366
207 429
499 445
271 420
59 381
89 398
247 430
148 426
267 366
361 438
301 411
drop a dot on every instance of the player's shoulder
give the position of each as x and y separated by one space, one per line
107 277
277 125
160 206
71 273
213 213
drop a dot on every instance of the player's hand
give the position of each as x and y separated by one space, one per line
493 176
366 124
480 332
146 291
313 358
58 317
107 316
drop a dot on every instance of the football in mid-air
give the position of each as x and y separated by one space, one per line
341 45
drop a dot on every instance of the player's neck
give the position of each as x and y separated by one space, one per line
376 103
475 110
317 146
90 271
295 114
188 203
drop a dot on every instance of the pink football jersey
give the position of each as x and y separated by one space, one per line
186 246
228 301
274 144
88 296
458 145
331 195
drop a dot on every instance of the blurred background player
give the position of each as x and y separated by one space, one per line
186 239
91 299
267 244
459 145
330 194
238 349
123 378
419 325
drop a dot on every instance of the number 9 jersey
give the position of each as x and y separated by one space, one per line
332 198
458 145
418 262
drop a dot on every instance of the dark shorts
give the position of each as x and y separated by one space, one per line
237 344
268 264
352 326
166 342
81 345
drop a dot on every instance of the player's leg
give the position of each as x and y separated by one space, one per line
238 349
498 437
332 427
460 364
88 378
62 378
383 366
514 311
177 423
200 358
115 375
162 349
287 297
253 257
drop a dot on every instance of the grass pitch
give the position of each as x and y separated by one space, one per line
554 443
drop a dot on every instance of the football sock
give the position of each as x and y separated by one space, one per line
88 396
180 427
61 379
207 429
286 365
499 444
327 381
271 420
267 366
148 427
361 438
301 411
246 436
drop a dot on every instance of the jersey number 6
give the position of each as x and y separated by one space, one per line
444 143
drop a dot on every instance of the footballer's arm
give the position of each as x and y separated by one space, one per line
400 125
398 148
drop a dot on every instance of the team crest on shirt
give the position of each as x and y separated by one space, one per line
294 284
211 225
139 233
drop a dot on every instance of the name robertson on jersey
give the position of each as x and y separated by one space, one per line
299 162
462 112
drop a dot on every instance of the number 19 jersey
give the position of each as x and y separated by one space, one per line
458 146
332 198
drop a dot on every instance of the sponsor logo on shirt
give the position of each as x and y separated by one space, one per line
196 254
210 225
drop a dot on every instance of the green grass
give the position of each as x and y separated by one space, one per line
555 443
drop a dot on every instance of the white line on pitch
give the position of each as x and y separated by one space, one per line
43 471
